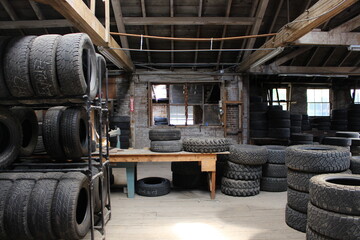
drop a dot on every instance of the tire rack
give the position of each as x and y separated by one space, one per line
101 107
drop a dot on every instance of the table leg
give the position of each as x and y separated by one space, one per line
131 178
212 184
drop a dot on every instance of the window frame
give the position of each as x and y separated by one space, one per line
314 102
278 102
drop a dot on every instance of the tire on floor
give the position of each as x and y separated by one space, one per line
153 186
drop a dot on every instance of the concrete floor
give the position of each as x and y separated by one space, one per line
188 215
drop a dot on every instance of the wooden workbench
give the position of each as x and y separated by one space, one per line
129 157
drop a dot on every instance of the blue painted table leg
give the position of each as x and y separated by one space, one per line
131 178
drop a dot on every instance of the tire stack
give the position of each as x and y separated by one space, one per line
321 123
206 145
274 171
301 138
123 123
305 123
355 141
279 124
339 119
337 141
258 118
355 164
165 140
334 208
304 162
243 171
354 117
295 123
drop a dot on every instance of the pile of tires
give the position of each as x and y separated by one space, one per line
354 117
123 123
258 118
243 171
353 138
165 140
334 208
337 141
206 145
279 124
301 138
295 123
305 123
355 164
46 67
339 119
52 205
321 123
274 171
304 162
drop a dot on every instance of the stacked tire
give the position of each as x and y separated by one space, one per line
206 145
304 162
339 119
165 140
258 118
354 117
123 123
301 138
334 208
295 123
351 139
321 123
243 171
337 141
305 123
279 124
355 164
274 171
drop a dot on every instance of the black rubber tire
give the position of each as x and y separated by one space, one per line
40 205
4 91
302 137
274 170
71 207
279 114
5 189
51 133
295 130
337 141
296 117
317 159
186 181
258 116
43 65
348 134
296 123
240 184
355 142
205 145
70 62
74 132
259 125
29 128
16 67
164 134
355 164
10 138
312 235
17 206
186 168
238 192
258 133
101 72
270 184
338 193
242 172
333 225
279 123
275 108
258 107
295 219
153 186
298 200
276 154
279 132
166 146
248 154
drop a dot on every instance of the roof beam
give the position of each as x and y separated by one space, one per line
38 12
11 12
290 56
198 32
146 30
318 14
227 14
189 20
347 26
275 70
329 38
81 16
275 17
120 23
57 23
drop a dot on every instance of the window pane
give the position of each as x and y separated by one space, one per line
212 93
195 92
357 95
190 120
177 93
159 94
211 115
177 115
159 115
310 95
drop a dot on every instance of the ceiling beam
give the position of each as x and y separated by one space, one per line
347 26
189 21
275 70
33 24
146 30
11 12
290 56
318 14
84 20
198 31
116 5
278 9
38 12
227 14
329 38
172 30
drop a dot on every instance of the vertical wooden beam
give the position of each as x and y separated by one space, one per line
198 33
172 31
120 24
227 14
143 11
107 20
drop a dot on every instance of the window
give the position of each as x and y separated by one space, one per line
185 104
357 95
279 97
318 103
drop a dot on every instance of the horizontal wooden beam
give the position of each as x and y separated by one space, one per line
189 20
329 38
275 70
33 24
85 21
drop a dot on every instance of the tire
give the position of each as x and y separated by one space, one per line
337 141
205 145
312 235
355 164
295 219
270 184
295 123
298 200
355 142
279 114
338 193
237 192
333 225
279 132
186 168
51 133
295 130
186 181
279 123
248 154
276 154
240 184
164 134
258 116
4 91
5 189
259 125
258 107
10 138
166 146
70 62
317 159
301 137
74 132
274 170
101 72
40 204
275 108
242 172
29 127
43 66
71 207
153 187
16 67
258 133
296 117
348 134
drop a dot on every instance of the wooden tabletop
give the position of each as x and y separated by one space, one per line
133 152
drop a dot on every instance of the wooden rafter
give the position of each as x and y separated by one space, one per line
38 12
329 38
278 9
11 12
290 56
146 30
116 5
198 31
189 21
275 70
227 14
172 30
318 14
